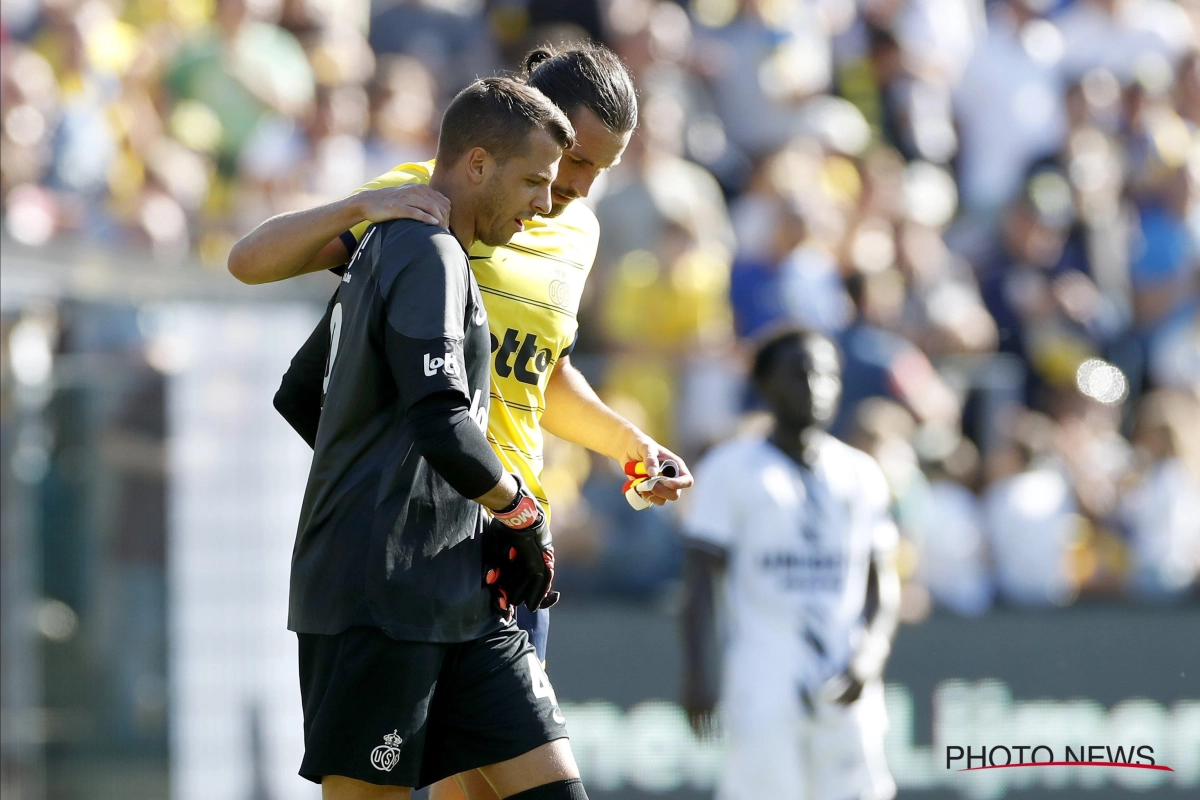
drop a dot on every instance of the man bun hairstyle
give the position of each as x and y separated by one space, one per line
536 56
588 76
498 114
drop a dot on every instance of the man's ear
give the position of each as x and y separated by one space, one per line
479 164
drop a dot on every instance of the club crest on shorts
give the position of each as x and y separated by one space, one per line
387 755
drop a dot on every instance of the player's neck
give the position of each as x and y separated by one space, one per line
796 442
462 225
462 211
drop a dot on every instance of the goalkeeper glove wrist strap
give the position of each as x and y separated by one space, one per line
523 512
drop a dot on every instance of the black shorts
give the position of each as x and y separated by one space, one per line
399 713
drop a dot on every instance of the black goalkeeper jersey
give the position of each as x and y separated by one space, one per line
383 540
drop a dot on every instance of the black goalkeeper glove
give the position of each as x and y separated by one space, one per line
519 555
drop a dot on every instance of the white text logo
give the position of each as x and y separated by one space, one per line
449 365
479 412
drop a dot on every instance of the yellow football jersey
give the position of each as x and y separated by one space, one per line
531 289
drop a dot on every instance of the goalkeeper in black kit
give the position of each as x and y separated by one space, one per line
409 671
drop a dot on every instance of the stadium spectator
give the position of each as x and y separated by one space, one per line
880 362
240 68
665 310
1030 516
1161 506
763 64
1009 105
756 281
1119 35
944 312
1046 309
657 186
953 559
452 40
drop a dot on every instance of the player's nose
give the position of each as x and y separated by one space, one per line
541 201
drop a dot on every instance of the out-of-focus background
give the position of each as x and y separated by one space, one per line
992 206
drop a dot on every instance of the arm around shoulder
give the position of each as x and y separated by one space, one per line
296 243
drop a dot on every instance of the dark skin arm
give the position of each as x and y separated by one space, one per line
883 616
703 567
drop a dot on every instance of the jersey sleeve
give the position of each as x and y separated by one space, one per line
712 511
350 242
299 397
571 347
425 286
352 237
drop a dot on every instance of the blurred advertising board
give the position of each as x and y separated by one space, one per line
1082 677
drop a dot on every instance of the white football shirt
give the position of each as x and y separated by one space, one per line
800 544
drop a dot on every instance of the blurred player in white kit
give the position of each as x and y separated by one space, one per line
796 525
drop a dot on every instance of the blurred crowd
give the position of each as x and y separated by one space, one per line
993 208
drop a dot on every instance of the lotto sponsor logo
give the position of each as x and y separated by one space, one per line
479 410
447 364
521 357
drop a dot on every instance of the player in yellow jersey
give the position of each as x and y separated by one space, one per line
531 289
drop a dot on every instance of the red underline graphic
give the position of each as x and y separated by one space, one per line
1159 767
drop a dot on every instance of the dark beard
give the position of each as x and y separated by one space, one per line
489 210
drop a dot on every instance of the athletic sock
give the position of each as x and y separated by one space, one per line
559 790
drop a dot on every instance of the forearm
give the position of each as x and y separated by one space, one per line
457 450
295 243
501 495
871 657
576 414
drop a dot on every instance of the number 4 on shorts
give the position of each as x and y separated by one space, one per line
542 688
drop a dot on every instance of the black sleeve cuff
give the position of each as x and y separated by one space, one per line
351 245
571 347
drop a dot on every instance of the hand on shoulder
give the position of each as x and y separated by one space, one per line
410 201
